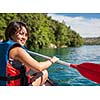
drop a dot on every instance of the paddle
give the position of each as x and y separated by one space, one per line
88 70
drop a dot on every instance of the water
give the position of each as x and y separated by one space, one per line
66 76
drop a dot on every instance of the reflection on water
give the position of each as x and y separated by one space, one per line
65 76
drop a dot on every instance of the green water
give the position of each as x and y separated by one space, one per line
65 76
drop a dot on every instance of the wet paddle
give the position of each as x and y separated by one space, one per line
89 70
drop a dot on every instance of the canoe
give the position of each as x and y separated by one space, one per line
50 82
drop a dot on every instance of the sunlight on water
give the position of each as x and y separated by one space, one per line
65 76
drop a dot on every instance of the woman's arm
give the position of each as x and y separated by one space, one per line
20 54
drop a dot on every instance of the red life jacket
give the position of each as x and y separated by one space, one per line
9 74
18 76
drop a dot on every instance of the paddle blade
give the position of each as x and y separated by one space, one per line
89 70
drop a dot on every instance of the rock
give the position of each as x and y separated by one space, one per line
52 46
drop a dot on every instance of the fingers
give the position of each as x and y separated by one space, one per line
54 59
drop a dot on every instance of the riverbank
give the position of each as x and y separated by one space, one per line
92 41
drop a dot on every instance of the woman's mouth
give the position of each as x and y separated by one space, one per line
22 42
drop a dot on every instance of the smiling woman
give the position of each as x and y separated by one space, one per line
21 36
16 62
17 31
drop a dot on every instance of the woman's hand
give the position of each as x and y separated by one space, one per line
54 59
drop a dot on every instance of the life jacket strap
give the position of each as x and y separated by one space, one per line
9 78
35 76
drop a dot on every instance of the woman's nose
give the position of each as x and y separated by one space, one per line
24 37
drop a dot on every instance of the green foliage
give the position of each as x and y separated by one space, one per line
43 30
61 35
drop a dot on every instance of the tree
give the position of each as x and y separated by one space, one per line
43 30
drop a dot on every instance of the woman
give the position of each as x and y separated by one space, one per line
17 59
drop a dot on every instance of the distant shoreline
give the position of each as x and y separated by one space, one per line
92 40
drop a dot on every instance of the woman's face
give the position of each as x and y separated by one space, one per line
21 36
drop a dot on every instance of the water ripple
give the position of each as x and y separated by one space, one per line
66 76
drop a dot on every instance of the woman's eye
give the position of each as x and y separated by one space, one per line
21 33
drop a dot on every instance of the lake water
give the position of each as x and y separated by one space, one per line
67 76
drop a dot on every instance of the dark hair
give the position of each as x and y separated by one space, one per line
14 27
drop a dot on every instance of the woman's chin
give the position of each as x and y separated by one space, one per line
22 44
